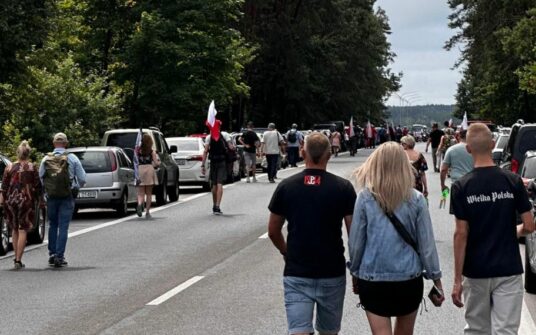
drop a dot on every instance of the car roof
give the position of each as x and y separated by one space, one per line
93 148
131 130
184 138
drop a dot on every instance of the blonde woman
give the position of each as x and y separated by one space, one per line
21 187
148 161
417 160
388 272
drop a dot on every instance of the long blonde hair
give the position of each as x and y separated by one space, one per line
387 174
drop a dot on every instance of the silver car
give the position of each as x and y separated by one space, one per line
110 181
189 158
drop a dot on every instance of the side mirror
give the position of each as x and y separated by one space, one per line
173 149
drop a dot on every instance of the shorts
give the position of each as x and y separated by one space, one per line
218 172
388 299
250 158
301 296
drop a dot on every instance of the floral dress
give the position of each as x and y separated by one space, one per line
420 167
21 187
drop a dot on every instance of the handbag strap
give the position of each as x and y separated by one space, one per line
402 231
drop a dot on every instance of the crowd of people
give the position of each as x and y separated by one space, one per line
390 235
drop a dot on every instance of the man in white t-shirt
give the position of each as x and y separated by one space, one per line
271 148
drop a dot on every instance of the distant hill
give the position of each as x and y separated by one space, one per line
427 114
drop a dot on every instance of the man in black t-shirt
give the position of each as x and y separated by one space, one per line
486 250
251 142
434 139
315 203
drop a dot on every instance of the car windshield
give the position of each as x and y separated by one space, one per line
94 161
529 170
185 145
501 143
527 142
122 140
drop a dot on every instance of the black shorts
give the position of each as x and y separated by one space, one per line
397 298
218 172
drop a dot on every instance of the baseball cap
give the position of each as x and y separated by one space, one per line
60 137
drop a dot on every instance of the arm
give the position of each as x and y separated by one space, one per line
348 223
275 226
527 227
460 243
445 165
205 153
357 238
426 242
79 173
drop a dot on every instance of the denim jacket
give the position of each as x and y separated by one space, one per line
378 253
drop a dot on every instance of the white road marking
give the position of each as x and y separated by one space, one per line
263 236
173 292
528 324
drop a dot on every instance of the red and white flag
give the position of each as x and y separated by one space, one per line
369 130
352 133
212 123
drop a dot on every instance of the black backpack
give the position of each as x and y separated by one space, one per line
292 136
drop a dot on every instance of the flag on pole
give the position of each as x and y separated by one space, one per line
352 133
450 123
369 130
212 123
465 124
137 150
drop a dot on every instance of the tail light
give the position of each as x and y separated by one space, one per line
514 166
112 160
198 158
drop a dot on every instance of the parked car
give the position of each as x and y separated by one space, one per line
168 173
36 235
110 179
500 142
522 139
324 126
528 171
189 158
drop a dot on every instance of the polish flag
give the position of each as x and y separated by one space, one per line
352 133
369 130
212 123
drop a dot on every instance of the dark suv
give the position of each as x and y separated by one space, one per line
168 173
522 139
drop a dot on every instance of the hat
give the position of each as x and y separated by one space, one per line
60 137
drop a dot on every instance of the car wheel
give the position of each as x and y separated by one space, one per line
122 206
37 235
4 237
161 193
173 192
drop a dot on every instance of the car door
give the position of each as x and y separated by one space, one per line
171 166
126 174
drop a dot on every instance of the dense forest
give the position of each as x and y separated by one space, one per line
498 42
85 66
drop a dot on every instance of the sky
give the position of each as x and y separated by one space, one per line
418 33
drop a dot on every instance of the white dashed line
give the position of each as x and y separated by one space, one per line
173 292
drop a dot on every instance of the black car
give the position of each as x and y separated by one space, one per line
528 171
36 235
522 139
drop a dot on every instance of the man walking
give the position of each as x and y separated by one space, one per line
314 202
457 160
62 175
486 250
251 142
216 150
294 141
271 148
434 139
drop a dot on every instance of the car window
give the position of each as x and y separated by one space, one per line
529 169
501 143
123 160
527 141
158 142
122 140
94 161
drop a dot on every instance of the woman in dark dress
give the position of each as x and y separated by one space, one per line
21 188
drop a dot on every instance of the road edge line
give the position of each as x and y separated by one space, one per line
174 291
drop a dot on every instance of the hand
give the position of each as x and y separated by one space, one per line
457 295
355 287
425 193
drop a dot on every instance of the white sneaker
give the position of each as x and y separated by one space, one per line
254 179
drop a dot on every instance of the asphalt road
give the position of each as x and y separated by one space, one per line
188 272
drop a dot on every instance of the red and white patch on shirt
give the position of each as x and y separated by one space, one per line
312 180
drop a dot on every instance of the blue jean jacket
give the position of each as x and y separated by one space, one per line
378 253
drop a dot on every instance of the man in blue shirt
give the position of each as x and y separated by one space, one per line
294 142
60 209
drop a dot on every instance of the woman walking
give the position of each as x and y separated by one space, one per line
388 272
21 188
148 162
417 160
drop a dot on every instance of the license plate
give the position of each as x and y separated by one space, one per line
87 194
181 162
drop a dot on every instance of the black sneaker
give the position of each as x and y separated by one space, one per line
60 262
51 260
216 210
139 210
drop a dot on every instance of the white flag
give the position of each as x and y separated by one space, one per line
352 133
464 122
211 116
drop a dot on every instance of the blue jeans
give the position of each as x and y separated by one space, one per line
271 160
60 212
293 154
301 295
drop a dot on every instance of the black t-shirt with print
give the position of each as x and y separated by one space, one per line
250 137
488 199
435 137
314 202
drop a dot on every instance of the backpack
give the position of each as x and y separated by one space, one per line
292 137
56 180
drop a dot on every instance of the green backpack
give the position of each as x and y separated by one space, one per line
57 181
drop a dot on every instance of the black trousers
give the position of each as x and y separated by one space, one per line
272 165
293 155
